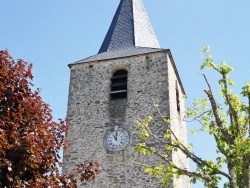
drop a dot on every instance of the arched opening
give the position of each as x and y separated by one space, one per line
119 85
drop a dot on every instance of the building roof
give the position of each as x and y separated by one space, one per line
125 52
130 33
130 27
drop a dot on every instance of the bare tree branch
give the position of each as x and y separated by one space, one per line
216 112
186 172
197 117
185 150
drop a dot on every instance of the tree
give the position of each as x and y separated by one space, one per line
29 139
228 123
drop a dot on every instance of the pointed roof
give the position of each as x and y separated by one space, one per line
130 28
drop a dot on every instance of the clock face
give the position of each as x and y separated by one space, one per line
116 139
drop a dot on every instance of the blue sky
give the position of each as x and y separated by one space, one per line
52 34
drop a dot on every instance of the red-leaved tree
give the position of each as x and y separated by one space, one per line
29 139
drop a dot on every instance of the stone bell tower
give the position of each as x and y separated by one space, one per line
112 89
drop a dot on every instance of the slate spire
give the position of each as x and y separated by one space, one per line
130 27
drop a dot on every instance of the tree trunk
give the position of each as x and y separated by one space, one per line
246 174
233 175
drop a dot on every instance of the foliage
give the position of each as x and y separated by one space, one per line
228 123
29 139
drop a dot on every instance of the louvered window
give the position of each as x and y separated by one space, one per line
119 85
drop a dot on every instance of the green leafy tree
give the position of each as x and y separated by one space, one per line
228 123
29 139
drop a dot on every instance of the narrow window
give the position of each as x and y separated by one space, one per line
177 97
119 85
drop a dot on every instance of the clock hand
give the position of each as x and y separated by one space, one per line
115 136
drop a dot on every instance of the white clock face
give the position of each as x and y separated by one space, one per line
116 139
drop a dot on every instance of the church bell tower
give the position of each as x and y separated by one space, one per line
109 91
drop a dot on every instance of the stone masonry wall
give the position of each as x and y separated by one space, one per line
177 123
91 114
